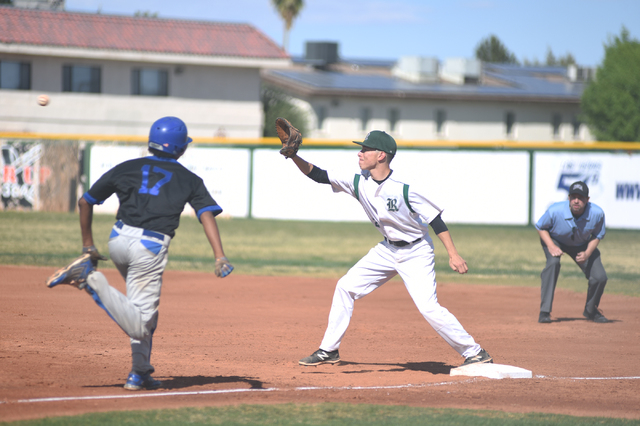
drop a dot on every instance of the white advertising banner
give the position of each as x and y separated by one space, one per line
304 199
471 186
475 187
225 173
613 180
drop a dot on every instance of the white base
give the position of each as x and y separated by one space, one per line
492 371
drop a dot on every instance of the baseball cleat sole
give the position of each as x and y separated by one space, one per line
74 274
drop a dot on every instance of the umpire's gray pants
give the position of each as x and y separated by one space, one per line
592 269
141 260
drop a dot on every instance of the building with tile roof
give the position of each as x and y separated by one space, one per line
114 75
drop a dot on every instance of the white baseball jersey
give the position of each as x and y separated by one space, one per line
386 205
400 214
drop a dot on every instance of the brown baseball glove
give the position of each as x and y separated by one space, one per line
289 136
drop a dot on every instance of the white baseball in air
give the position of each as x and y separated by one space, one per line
43 100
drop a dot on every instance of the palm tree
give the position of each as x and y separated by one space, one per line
288 10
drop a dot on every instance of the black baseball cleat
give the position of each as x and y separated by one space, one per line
544 318
595 317
321 357
482 358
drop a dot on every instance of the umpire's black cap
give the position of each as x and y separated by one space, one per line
579 188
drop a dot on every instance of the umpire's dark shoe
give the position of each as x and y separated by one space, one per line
321 357
544 318
482 358
595 317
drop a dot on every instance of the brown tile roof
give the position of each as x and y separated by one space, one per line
95 31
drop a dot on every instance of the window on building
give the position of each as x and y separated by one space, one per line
556 121
440 119
322 115
365 116
394 115
149 82
576 127
510 122
80 78
15 75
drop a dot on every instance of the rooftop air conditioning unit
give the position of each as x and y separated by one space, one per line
416 69
321 53
461 70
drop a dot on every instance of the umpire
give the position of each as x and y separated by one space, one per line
575 227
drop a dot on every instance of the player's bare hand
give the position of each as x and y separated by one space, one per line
223 267
458 264
95 254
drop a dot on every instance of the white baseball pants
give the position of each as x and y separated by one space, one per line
415 264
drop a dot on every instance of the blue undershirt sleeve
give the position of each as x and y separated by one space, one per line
216 210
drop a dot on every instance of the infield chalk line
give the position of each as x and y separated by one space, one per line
305 388
589 378
225 391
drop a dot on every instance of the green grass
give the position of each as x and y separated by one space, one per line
501 255
323 414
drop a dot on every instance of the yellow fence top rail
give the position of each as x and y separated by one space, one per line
452 144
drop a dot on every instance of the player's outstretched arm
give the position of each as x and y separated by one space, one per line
304 166
456 262
210 226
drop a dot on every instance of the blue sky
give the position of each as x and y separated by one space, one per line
389 29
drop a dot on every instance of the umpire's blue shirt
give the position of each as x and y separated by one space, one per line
570 231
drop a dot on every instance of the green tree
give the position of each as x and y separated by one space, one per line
561 61
552 61
491 49
10 2
611 103
145 14
276 103
288 10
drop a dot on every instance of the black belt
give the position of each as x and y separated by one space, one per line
146 232
401 243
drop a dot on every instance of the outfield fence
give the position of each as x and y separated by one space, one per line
497 182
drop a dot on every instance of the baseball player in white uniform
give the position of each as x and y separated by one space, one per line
402 216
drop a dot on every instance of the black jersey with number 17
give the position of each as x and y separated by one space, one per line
153 192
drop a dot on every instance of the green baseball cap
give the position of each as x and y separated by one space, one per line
377 139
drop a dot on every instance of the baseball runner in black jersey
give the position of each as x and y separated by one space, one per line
152 192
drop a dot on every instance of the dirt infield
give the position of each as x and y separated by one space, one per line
237 340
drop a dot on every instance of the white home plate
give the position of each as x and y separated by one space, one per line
492 371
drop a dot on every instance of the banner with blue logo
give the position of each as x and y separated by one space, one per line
613 180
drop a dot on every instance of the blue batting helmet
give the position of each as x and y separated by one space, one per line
169 134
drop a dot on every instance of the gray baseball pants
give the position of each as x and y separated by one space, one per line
141 260
592 269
